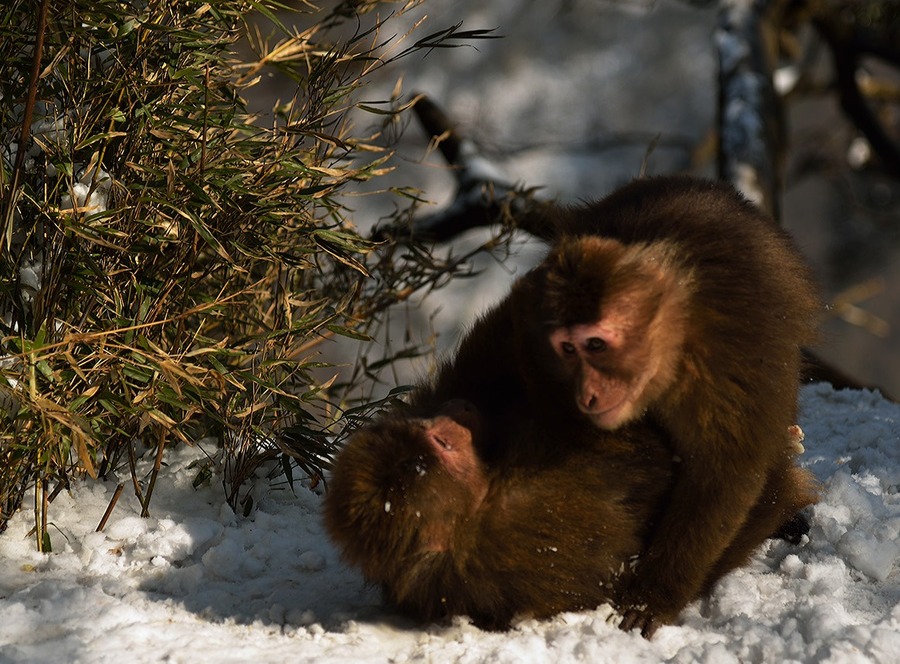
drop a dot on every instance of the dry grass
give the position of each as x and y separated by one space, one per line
168 264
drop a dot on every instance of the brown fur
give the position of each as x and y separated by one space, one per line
495 543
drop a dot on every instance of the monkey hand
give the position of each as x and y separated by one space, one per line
639 618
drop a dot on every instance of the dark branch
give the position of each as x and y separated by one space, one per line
751 128
848 43
484 194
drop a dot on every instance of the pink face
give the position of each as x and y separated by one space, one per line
588 352
450 436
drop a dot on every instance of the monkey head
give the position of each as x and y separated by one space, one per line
615 318
402 487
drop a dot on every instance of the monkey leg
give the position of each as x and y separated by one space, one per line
788 489
797 526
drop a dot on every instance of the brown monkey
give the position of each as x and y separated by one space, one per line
675 299
412 504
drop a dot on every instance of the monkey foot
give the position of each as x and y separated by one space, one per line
795 439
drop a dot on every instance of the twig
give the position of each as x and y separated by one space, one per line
845 305
132 463
27 115
38 518
110 507
62 484
145 507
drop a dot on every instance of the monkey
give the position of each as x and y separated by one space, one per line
699 303
412 504
676 300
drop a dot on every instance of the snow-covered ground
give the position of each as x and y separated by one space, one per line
195 583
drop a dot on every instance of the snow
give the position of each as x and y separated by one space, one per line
195 583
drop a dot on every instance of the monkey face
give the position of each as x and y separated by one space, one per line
614 328
401 487
585 351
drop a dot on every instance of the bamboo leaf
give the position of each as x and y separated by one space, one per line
349 332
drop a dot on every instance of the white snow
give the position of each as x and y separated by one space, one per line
195 583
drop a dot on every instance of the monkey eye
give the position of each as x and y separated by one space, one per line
567 347
443 443
596 344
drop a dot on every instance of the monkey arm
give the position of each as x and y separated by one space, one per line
708 506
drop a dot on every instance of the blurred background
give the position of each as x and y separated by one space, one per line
575 97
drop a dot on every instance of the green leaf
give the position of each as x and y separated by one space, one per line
288 468
348 332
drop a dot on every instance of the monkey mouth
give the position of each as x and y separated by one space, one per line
608 418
